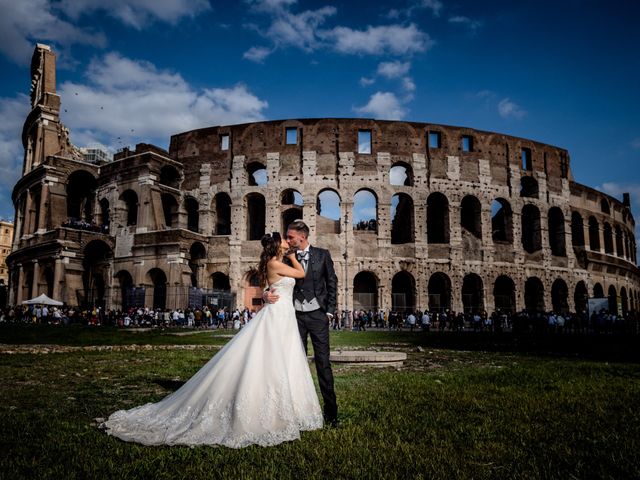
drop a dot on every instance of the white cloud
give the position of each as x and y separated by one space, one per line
635 143
381 40
393 69
257 54
365 81
24 22
508 109
408 84
473 25
137 13
125 100
434 5
383 105
13 112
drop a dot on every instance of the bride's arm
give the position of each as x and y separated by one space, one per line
277 267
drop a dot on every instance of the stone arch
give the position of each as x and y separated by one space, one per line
158 281
439 288
501 221
291 207
534 295
560 296
81 193
402 219
577 229
619 242
365 291
624 301
471 216
504 294
170 176
581 297
197 258
129 201
594 234
472 293
437 218
608 238
105 216
220 281
598 291
401 173
125 289
170 210
529 187
328 212
555 222
531 234
365 210
47 280
403 292
613 299
252 290
192 208
256 215
222 214
257 174
95 267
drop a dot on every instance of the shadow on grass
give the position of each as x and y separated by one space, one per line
167 384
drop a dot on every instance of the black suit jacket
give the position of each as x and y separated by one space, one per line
320 279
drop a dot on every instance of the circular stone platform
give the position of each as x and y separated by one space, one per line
363 357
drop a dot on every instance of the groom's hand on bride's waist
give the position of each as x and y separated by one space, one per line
269 296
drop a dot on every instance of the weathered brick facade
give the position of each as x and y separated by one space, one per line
193 216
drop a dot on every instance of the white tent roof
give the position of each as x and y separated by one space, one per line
42 300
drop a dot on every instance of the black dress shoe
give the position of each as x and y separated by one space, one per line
332 423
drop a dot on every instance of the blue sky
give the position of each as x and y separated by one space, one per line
564 73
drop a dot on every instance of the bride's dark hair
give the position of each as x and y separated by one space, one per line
270 248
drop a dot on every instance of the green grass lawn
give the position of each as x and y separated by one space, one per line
461 407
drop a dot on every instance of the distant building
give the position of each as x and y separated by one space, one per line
95 155
6 238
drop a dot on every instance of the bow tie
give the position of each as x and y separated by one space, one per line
302 255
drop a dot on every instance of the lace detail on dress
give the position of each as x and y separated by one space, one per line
257 390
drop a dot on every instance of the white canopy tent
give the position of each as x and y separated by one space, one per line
42 300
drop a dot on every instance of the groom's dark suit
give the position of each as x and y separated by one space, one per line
320 282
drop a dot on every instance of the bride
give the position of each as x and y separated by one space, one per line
256 390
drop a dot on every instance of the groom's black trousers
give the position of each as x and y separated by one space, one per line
316 324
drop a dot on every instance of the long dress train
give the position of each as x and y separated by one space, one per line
256 390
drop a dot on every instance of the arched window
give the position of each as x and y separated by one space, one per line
577 230
81 192
581 297
257 174
328 212
403 287
256 214
104 212
504 294
534 295
471 216
619 242
559 296
130 200
158 279
501 221
556 232
439 292
528 187
604 206
291 208
170 176
365 291
437 218
598 291
193 214
197 255
401 174
608 238
220 281
531 236
222 214
170 210
594 234
365 211
402 223
613 300
472 293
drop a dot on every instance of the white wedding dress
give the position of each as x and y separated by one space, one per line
256 390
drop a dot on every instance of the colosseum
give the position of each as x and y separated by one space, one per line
416 215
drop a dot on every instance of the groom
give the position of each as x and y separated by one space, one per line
314 299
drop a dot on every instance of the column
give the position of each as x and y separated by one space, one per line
19 286
57 279
36 274
44 200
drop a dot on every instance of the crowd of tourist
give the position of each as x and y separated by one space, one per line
359 320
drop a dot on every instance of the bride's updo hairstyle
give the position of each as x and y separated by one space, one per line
270 248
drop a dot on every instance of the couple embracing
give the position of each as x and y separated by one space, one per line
258 389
